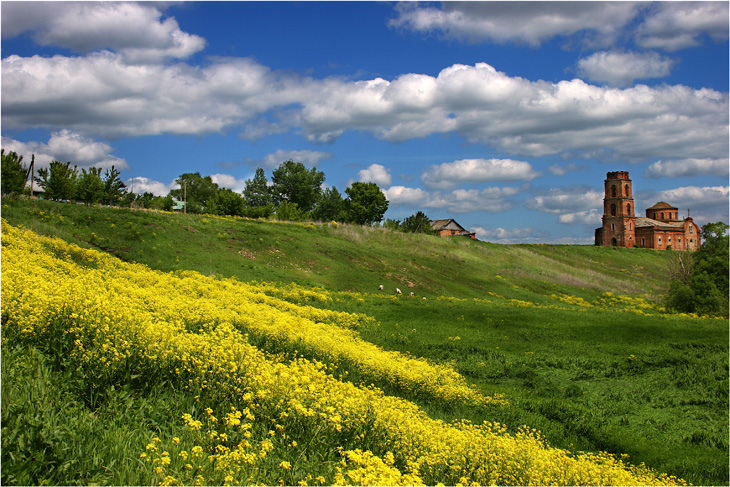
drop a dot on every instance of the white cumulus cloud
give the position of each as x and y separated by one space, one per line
665 25
688 168
532 118
519 22
136 30
375 173
676 25
590 217
622 68
489 200
452 174
228 181
565 200
67 146
141 185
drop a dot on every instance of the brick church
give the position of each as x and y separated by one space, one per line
660 229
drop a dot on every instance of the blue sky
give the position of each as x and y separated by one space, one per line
503 115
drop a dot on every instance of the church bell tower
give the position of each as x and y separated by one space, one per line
619 222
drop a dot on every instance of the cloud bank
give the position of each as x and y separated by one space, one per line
102 95
665 25
529 23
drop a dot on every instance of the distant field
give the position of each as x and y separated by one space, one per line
573 338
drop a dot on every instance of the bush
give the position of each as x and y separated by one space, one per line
258 211
681 297
708 300
291 212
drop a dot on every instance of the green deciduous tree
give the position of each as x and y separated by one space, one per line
164 203
12 173
712 257
330 207
293 182
58 180
703 288
227 202
89 187
366 203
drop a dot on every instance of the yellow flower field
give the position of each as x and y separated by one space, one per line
122 322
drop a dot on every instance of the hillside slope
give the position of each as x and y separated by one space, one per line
345 257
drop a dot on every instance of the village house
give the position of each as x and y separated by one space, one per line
661 228
449 227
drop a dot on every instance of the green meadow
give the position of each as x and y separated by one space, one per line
574 337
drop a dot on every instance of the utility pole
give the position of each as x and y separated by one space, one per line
185 192
32 173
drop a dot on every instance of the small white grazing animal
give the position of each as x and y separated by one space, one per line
398 291
380 287
412 294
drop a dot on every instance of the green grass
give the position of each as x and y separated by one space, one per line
53 435
652 386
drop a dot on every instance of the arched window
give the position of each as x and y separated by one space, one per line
662 215
628 209
631 226
613 227
613 208
627 190
614 242
613 191
643 242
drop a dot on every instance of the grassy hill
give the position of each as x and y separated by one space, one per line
345 257
573 336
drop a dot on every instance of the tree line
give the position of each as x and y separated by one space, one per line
294 192
61 182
